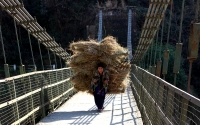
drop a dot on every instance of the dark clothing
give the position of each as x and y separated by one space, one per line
99 94
99 100
99 89
100 80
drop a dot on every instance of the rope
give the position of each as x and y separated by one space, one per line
40 55
169 27
49 58
4 55
156 49
29 38
180 31
18 42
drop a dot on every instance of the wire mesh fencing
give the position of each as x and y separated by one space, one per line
27 98
161 103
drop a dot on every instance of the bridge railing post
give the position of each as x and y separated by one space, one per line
16 103
169 103
6 69
31 101
22 69
184 109
41 94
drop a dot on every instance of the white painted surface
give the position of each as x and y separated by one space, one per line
120 109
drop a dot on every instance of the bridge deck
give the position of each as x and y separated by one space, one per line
80 109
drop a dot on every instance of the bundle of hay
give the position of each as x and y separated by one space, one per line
86 56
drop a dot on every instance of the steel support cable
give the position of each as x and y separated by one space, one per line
55 60
161 38
41 56
49 58
29 38
180 31
181 22
4 55
18 42
166 57
169 27
191 60
151 52
60 62
156 48
197 11
147 58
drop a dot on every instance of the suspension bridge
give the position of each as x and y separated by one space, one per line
47 96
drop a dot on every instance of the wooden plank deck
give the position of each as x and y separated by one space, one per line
120 109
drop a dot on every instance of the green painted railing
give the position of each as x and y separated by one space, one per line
161 103
25 99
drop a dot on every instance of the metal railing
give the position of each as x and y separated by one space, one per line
25 99
161 103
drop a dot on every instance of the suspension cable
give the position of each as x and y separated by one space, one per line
60 62
179 41
156 48
191 60
148 58
4 55
197 11
151 53
29 38
169 27
41 55
49 58
55 60
180 31
60 59
18 42
161 37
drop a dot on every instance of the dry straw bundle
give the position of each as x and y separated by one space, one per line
86 56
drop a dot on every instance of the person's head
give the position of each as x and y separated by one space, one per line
100 67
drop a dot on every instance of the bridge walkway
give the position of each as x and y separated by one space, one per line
120 109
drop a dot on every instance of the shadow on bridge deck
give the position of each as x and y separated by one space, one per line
120 109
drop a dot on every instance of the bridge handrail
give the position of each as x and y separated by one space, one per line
162 103
32 95
175 89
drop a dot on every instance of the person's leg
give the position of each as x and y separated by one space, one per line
96 100
101 101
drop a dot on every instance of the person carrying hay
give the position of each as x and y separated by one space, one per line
99 85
